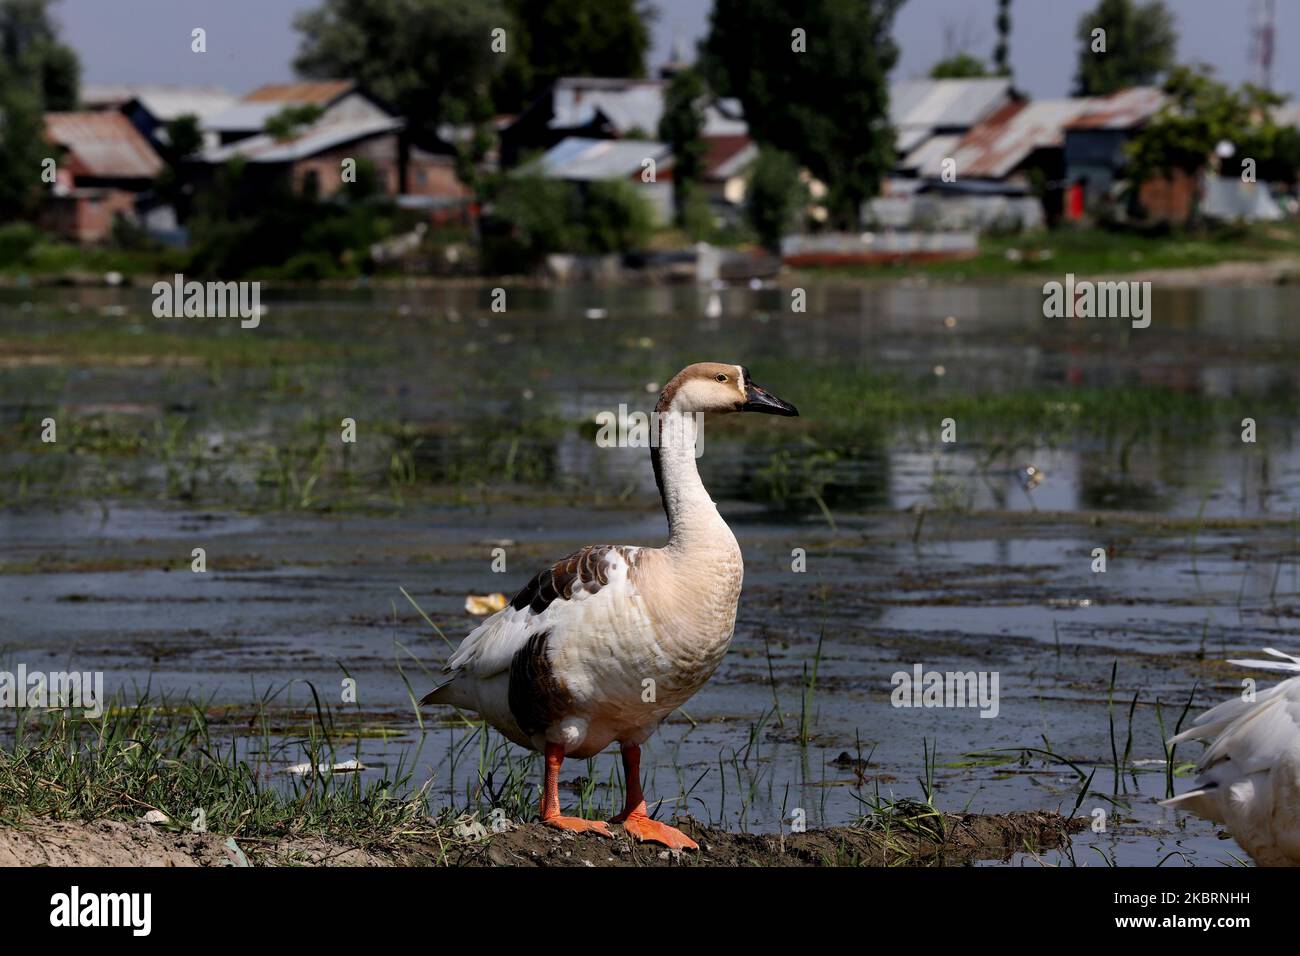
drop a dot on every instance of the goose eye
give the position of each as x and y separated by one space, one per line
720 377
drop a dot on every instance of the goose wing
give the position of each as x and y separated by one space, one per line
594 584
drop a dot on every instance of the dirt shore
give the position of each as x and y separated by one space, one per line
969 838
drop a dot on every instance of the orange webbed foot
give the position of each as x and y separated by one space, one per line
639 825
579 825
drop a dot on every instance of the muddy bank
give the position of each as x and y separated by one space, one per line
962 839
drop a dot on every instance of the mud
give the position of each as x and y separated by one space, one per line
967 839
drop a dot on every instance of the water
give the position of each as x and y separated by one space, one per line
176 434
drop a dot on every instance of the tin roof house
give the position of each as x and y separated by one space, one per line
151 107
930 117
351 126
582 161
1015 166
104 169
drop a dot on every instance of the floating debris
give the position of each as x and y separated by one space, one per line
483 604
1030 477
347 766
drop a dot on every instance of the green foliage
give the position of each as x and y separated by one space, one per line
1140 46
37 74
182 139
827 106
682 128
1202 113
959 67
16 240
290 121
243 227
616 217
31 51
534 217
775 197
430 60
549 39
22 147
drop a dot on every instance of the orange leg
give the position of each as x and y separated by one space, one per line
551 799
634 818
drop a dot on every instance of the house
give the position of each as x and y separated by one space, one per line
727 160
582 161
1020 150
603 108
336 99
352 127
106 167
929 117
1095 142
151 107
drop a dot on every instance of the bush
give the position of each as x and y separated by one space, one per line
531 218
616 217
775 198
16 240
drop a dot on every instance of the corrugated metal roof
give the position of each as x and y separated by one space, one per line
163 101
994 148
1122 110
242 117
726 156
588 160
103 144
931 151
321 92
945 104
265 148
631 105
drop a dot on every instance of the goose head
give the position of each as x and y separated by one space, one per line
716 388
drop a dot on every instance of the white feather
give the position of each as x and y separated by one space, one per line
1249 777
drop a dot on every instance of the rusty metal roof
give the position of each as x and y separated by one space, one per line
1122 110
322 92
994 148
103 145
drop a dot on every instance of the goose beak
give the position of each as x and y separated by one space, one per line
761 400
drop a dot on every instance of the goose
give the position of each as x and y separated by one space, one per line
607 642
1249 779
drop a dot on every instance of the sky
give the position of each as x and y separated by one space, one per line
251 42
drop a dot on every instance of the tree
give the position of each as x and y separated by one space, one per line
1002 52
31 50
1140 42
1202 114
431 60
775 197
682 127
182 137
813 80
292 120
959 67
555 38
38 73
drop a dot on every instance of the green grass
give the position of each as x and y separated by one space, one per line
1098 251
153 755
